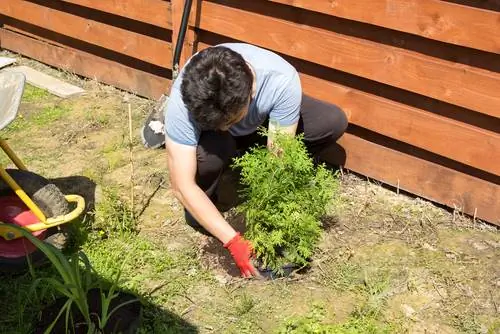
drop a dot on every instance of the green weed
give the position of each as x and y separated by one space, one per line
376 288
245 304
343 276
314 323
115 160
113 215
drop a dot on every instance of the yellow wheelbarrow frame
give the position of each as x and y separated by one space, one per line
6 231
9 233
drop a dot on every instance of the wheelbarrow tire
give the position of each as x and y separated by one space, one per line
51 202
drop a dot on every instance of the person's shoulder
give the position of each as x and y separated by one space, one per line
262 59
178 124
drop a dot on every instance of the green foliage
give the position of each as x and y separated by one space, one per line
48 115
41 118
74 284
245 304
313 323
113 215
34 94
286 195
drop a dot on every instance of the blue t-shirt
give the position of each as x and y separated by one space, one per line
278 96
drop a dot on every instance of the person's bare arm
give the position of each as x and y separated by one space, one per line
182 166
182 170
286 111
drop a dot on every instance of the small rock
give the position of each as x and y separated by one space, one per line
192 272
492 243
408 310
221 279
480 246
451 255
429 247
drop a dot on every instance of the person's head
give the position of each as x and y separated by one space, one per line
216 88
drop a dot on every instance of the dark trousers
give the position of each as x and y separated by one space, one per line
321 123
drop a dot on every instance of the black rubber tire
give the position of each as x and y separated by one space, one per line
52 203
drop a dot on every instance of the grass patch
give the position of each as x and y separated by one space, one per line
376 288
41 118
21 303
49 115
244 305
18 124
343 276
467 324
33 94
158 276
315 323
4 160
115 160
98 117
113 215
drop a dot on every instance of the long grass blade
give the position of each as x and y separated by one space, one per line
66 306
122 305
53 254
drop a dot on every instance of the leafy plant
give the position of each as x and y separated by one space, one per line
286 195
114 215
313 323
75 284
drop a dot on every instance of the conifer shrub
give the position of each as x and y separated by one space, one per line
285 196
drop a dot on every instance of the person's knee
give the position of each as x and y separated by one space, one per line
338 123
214 152
327 122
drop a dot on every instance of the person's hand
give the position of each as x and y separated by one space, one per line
241 250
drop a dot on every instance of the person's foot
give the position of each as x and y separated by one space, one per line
153 131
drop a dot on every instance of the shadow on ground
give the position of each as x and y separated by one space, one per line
33 310
85 187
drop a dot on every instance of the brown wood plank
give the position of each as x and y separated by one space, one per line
435 19
103 70
465 143
449 138
136 45
454 83
423 178
155 12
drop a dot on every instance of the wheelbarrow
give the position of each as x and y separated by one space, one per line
26 198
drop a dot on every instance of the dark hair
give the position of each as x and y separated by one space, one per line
216 85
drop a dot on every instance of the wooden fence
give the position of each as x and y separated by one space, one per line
420 80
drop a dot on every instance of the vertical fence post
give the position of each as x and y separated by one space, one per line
188 46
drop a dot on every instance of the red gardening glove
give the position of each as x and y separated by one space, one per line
242 252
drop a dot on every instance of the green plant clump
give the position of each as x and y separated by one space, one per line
285 197
74 284
313 323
